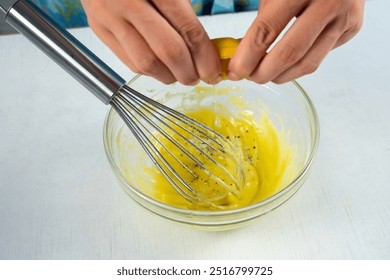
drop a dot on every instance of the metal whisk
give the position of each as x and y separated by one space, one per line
202 165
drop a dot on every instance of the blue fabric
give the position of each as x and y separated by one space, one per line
205 7
67 13
70 13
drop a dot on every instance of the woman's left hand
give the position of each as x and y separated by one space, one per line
320 26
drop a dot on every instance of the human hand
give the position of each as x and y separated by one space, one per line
159 38
320 26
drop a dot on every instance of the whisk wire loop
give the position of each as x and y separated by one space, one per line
165 121
148 109
201 128
154 153
176 144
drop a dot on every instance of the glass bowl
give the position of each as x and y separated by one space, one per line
287 106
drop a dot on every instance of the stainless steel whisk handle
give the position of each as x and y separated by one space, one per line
63 48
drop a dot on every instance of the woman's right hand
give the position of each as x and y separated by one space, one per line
159 38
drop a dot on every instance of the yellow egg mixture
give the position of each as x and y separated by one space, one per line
268 160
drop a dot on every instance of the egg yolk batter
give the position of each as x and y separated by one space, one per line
267 159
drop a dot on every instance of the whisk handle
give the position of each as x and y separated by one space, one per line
63 48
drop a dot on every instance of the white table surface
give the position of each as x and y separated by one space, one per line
59 199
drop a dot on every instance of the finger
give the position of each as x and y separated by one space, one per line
330 38
313 58
110 41
182 18
127 44
132 50
356 15
294 45
141 55
165 42
269 23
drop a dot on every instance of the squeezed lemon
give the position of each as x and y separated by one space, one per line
226 48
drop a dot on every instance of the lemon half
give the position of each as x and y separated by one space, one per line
226 48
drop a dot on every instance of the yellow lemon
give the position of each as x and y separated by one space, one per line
226 48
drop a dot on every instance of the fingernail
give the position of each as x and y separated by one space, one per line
233 76
216 80
194 83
